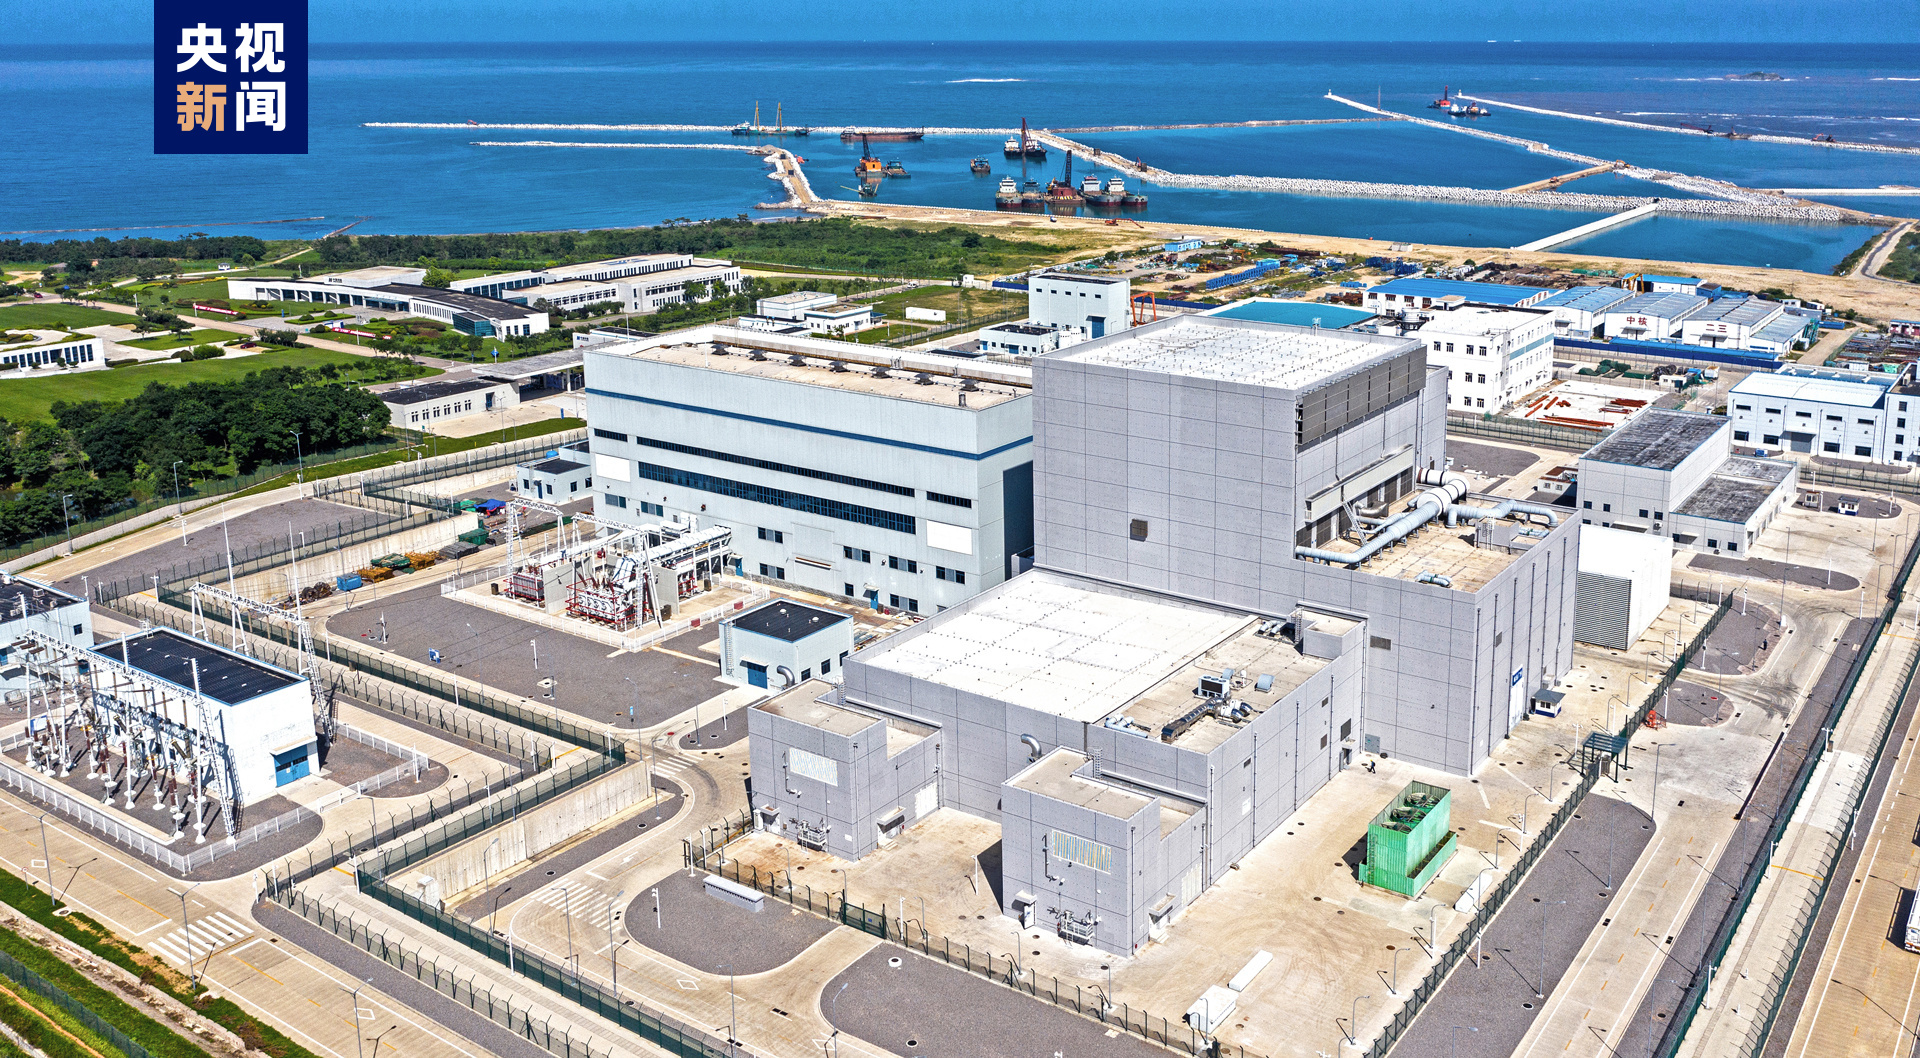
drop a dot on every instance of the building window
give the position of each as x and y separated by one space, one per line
1833 418
1771 439
1864 422
826 666
1658 515
898 603
652 508
776 572
1739 435
1643 512
1743 407
1480 402
906 564
1606 506
941 497
1588 504
856 554
768 464
847 512
1380 643
1346 730
1711 542
1863 450
610 435
806 674
774 535
617 501
1830 446
954 575
1733 545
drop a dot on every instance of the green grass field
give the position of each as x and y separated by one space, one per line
44 316
202 336
24 400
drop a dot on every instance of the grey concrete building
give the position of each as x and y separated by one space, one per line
783 643
897 479
1251 567
1674 474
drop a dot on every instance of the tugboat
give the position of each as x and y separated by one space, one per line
894 169
1008 197
980 166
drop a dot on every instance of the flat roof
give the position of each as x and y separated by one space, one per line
459 300
1861 394
1665 306
1585 299
799 297
1490 293
557 466
1786 327
1057 645
787 620
1053 776
223 675
584 267
571 286
24 598
1745 311
1771 471
900 384
1250 655
1438 549
1069 277
1242 351
425 391
1725 498
369 274
552 363
1695 280
1657 438
808 703
1479 319
1293 313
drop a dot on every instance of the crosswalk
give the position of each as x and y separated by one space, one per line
670 766
588 905
200 938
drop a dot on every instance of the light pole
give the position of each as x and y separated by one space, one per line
733 1012
613 954
1524 802
566 907
1657 747
377 1039
66 522
186 928
181 507
359 1045
1542 993
1353 1021
832 1006
46 858
495 914
299 460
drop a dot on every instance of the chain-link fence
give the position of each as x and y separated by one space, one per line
261 555
40 986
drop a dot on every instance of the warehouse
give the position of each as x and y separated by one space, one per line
1175 677
1729 322
1651 317
424 405
1398 295
889 478
1862 415
1580 312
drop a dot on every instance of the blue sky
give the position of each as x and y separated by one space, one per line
1730 21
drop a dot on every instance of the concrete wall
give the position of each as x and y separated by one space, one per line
820 654
869 784
962 452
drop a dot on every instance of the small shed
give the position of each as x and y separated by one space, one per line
784 642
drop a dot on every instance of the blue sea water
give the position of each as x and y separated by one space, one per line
99 171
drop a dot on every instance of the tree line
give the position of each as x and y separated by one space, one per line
104 258
101 456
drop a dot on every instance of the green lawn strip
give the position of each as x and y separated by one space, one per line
9 1050
43 317
24 400
37 1027
438 446
202 336
159 1040
84 931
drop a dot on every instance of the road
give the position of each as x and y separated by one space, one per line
1869 263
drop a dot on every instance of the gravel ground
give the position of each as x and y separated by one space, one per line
1768 569
708 933
1555 909
925 1007
349 762
1739 643
717 734
499 652
1491 460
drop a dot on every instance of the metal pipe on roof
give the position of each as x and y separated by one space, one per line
1443 498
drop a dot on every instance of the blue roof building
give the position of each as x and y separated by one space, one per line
1420 293
1292 313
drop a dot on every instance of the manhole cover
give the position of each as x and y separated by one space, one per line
912 1042
1528 1006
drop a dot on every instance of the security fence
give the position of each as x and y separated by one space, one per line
40 986
1756 870
1524 431
267 554
476 995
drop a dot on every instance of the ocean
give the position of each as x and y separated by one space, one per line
90 166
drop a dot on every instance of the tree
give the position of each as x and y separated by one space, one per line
438 278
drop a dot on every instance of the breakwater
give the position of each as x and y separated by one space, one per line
1751 204
1842 145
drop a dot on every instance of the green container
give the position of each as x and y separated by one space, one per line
476 537
1410 840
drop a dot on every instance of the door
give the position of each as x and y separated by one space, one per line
1097 326
1516 697
489 402
756 674
289 766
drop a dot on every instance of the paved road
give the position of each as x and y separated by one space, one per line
1540 930
710 934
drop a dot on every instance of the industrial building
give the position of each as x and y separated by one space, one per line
783 643
1674 474
1091 305
395 289
1420 293
1580 312
561 476
641 283
1651 317
73 351
1862 415
1624 583
891 478
810 312
508 285
29 606
1251 567
425 405
1493 357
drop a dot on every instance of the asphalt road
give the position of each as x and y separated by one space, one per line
711 934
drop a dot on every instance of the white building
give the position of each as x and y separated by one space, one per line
1493 356
1729 322
1400 295
641 283
1580 312
1850 414
398 290
425 405
810 312
503 285
1624 582
1653 284
561 476
887 477
576 294
1097 305
1027 339
1651 317
55 347
1673 474
29 606
783 643
793 307
1784 333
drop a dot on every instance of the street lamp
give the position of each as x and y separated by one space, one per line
1353 1021
66 522
496 907
733 1012
376 1039
613 953
359 1045
176 501
300 462
186 928
832 1006
1542 993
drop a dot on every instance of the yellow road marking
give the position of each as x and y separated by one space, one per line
144 904
685 657
258 970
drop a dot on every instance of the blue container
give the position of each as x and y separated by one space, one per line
347 581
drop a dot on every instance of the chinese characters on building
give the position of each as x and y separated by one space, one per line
233 84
